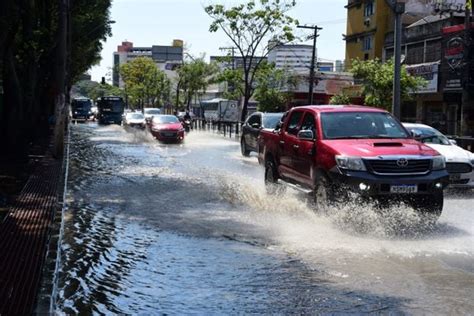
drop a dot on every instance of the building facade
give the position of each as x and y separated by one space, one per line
368 22
167 58
434 49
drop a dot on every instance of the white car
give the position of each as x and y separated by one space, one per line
135 119
459 162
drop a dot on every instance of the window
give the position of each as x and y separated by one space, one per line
292 127
367 43
308 123
369 8
254 119
341 125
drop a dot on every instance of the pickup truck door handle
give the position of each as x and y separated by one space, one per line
296 146
282 142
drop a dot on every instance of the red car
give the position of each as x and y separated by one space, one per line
167 128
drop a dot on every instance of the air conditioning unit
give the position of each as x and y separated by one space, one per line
367 22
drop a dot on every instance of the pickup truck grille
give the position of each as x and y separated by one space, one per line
457 167
392 166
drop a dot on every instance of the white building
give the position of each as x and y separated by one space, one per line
167 58
292 57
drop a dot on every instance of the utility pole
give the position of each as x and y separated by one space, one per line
398 9
232 49
315 28
466 69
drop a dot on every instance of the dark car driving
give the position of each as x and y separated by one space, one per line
251 129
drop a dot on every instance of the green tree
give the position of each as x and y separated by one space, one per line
146 85
194 77
270 86
250 26
340 99
377 82
38 65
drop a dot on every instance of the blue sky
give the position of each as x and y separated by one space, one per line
158 22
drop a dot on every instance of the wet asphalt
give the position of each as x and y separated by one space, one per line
187 228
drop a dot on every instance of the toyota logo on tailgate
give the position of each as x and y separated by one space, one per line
402 162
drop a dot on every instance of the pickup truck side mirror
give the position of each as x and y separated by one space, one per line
278 125
453 142
305 135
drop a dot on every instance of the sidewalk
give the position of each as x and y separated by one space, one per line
24 236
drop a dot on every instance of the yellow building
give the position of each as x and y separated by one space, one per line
367 23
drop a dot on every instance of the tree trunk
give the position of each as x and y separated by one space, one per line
60 79
13 124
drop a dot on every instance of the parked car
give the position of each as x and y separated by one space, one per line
150 112
332 150
252 127
135 119
167 128
459 162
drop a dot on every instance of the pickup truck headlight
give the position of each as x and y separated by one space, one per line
439 163
350 163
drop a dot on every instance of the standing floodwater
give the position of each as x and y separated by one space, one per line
188 229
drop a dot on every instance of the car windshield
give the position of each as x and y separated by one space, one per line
152 111
271 120
165 119
136 116
429 135
347 125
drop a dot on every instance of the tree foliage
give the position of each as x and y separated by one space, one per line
270 87
377 81
340 99
94 90
34 43
194 77
250 26
145 84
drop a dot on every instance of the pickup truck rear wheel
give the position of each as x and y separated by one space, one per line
243 148
271 178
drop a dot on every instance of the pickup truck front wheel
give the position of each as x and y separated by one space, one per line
429 207
323 195
271 178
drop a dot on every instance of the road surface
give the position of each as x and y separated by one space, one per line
188 229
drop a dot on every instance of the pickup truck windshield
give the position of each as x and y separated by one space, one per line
355 125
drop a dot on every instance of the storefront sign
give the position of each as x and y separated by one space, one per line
453 59
429 72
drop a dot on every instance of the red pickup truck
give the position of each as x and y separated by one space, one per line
332 150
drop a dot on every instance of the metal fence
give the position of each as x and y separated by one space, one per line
226 128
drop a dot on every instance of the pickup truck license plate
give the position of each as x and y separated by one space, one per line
408 188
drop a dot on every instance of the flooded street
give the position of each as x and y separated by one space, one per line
188 229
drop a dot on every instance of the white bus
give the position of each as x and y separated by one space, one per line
220 110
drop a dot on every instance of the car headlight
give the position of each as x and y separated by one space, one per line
350 163
439 163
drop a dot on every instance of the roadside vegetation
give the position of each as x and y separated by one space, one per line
44 47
